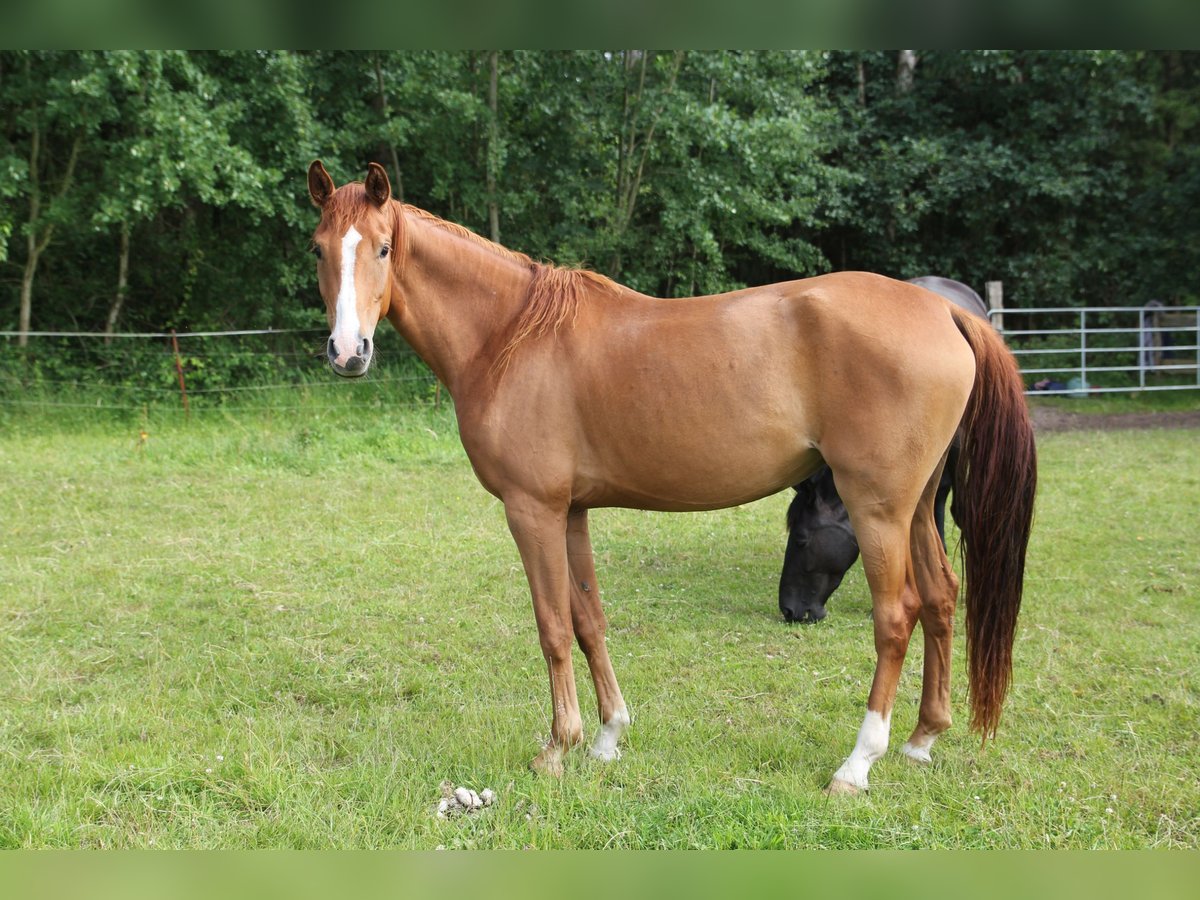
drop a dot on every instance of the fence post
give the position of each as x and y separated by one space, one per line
187 413
1144 348
1083 350
994 293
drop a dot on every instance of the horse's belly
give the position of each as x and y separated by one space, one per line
670 470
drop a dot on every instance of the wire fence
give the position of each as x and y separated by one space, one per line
167 374
1061 351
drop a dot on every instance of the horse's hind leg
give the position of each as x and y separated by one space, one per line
883 540
540 534
938 587
590 625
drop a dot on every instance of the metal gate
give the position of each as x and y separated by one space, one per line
1107 349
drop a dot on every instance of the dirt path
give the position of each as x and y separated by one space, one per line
1052 419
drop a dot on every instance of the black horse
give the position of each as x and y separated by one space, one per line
821 545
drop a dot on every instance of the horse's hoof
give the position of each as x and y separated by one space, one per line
605 754
917 754
839 788
548 762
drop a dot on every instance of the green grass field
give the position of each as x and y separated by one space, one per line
287 630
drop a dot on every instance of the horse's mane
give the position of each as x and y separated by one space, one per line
553 298
554 292
465 233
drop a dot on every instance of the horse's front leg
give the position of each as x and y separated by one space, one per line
539 530
590 625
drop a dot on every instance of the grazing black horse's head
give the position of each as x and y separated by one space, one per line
821 547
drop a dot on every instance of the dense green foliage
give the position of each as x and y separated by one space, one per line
147 190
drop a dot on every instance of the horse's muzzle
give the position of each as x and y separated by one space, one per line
350 366
803 613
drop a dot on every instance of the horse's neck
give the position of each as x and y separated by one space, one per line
457 300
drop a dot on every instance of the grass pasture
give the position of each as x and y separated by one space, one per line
286 631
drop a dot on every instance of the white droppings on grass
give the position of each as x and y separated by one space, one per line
462 800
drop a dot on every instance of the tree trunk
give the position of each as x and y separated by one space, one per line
114 311
26 299
631 164
906 66
385 110
36 243
493 150
31 243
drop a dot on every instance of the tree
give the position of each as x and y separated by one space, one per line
167 187
677 173
996 165
168 144
146 144
53 111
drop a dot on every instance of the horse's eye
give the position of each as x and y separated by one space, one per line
316 252
383 252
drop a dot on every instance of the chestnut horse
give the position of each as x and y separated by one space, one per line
821 546
573 392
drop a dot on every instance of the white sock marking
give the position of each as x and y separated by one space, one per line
871 744
605 746
919 749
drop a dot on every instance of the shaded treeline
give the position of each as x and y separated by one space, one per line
145 190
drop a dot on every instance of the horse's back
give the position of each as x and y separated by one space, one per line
877 334
716 401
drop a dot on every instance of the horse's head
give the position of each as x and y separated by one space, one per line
355 243
821 548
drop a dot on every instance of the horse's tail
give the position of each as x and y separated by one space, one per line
994 488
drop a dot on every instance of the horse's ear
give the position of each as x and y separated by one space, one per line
320 185
825 488
379 189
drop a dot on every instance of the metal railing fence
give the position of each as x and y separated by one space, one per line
1081 350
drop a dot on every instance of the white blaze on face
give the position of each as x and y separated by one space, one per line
346 326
